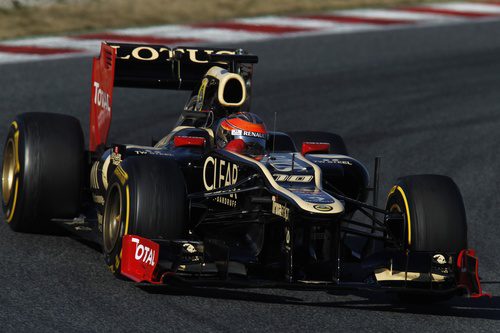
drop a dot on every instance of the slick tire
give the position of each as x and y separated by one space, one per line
42 170
337 144
146 197
435 220
435 214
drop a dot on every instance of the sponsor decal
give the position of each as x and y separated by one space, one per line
116 157
139 257
281 210
189 248
147 53
288 239
323 208
316 198
238 132
254 134
152 152
101 98
333 161
143 253
99 222
283 163
121 174
293 178
439 259
224 174
98 199
312 195
201 95
226 201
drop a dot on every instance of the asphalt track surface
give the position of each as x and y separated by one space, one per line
427 100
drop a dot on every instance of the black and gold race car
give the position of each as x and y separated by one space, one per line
224 201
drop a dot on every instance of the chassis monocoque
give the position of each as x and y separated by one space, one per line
184 211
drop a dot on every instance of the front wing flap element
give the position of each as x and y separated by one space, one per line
468 275
140 259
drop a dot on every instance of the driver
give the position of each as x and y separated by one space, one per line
243 133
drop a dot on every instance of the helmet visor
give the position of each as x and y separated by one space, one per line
254 146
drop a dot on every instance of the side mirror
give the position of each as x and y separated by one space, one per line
315 148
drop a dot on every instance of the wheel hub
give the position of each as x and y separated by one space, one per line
112 219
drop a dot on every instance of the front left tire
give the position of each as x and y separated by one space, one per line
146 197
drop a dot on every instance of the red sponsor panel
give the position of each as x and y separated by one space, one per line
315 148
186 141
103 74
139 258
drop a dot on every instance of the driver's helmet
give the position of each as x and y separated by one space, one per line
242 132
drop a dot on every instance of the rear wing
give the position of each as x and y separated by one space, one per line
153 66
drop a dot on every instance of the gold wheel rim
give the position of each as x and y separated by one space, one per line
8 171
112 218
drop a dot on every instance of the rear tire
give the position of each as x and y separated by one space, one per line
42 170
146 197
337 144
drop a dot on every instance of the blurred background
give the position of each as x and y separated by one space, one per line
19 18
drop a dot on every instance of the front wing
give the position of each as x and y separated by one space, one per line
194 264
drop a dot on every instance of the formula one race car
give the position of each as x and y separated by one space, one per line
223 201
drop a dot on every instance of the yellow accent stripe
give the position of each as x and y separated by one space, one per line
407 208
121 174
393 189
16 150
127 214
18 168
128 210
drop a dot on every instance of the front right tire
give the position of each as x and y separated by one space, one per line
434 221
434 213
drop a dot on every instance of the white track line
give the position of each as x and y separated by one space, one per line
479 8
7 58
302 23
58 42
394 14
179 31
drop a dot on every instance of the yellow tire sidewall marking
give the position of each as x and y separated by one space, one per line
16 174
407 208
127 216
